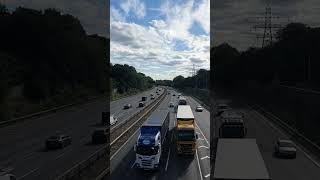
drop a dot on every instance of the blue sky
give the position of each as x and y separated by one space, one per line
162 39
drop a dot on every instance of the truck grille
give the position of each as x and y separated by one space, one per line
146 163
186 147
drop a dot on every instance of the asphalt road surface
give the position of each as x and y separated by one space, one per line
22 144
172 166
116 107
266 133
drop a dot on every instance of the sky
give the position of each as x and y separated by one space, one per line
91 13
232 20
160 38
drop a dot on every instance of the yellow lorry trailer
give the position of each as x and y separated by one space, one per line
185 131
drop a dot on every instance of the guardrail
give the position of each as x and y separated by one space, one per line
293 132
41 113
76 170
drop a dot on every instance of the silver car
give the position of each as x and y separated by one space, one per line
199 108
285 148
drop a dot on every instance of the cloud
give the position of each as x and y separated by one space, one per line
232 20
151 47
92 14
136 7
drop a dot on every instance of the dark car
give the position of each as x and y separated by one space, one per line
141 104
285 148
199 109
58 141
174 95
127 106
100 135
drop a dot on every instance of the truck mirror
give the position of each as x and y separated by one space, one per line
196 136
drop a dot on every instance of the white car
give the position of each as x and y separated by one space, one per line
113 120
199 108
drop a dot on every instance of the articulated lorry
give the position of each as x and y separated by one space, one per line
151 139
232 125
185 131
239 159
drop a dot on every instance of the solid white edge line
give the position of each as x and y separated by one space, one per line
168 159
202 134
199 165
284 134
133 164
28 173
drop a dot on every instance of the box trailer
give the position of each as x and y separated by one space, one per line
239 159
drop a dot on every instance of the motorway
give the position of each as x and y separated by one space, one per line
172 165
116 107
22 144
266 133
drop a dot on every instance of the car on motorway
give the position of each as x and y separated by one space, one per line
171 104
99 135
221 108
285 148
6 175
127 106
113 120
141 104
173 94
58 141
152 97
199 109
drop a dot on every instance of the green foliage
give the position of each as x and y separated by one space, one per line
125 78
53 52
286 59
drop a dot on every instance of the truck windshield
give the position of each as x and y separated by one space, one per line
149 130
232 131
147 150
186 135
182 102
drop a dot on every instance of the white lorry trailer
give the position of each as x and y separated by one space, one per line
239 159
150 141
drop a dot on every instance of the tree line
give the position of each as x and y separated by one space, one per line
292 59
201 80
125 79
44 53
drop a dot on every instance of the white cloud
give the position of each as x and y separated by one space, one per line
116 15
134 6
152 49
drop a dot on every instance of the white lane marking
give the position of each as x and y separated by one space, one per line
124 144
27 174
206 176
277 129
203 147
60 155
133 164
202 133
168 159
199 165
206 157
